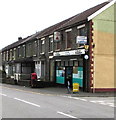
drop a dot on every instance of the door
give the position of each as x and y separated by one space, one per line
68 75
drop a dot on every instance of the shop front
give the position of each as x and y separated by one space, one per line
69 67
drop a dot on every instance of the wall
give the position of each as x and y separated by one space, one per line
103 37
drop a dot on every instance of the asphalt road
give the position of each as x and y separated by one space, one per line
20 103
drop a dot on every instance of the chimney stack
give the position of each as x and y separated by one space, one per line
19 38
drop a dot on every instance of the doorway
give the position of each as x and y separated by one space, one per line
68 75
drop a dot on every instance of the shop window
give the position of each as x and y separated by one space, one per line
60 75
62 63
70 63
81 63
66 63
58 63
78 75
75 63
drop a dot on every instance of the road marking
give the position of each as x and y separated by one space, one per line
83 99
93 101
27 102
77 98
112 106
103 103
28 91
66 114
3 94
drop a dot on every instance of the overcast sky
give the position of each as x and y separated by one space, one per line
21 18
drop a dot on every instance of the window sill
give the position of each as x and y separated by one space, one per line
34 55
68 49
50 52
42 53
57 50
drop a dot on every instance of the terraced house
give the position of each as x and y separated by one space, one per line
80 48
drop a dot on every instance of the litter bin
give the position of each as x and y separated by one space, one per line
33 79
75 87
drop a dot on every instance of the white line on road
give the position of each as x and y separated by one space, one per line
27 102
3 94
83 99
66 114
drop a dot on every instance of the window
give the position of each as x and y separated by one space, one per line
82 36
35 48
57 45
4 56
14 54
28 50
68 41
42 68
50 44
23 51
83 31
11 55
7 56
42 45
19 51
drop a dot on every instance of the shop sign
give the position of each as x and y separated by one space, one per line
57 36
81 40
71 52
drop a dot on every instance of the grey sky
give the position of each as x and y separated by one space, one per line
25 17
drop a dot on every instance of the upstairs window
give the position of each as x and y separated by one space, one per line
11 54
81 39
51 44
7 55
28 49
35 48
23 51
42 45
14 54
68 41
57 45
4 56
83 31
19 51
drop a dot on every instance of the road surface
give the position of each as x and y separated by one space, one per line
23 103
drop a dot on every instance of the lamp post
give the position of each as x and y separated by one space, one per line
86 57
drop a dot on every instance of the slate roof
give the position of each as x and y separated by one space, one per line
61 25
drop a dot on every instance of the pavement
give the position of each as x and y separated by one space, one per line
61 91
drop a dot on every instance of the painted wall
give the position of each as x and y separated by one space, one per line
103 37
